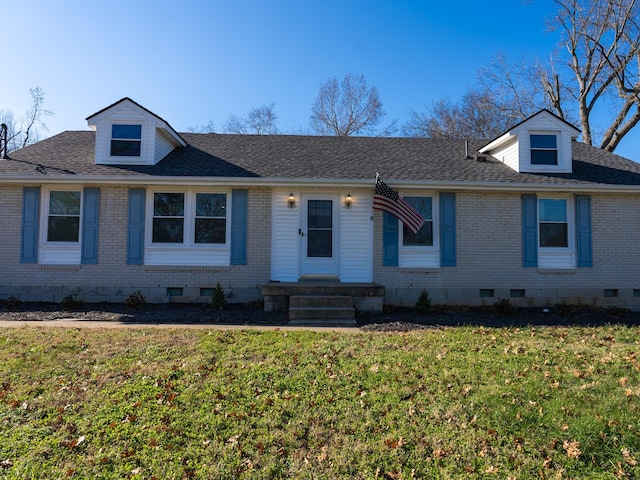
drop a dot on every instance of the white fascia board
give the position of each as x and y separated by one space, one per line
498 142
305 182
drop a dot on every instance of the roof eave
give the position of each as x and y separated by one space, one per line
301 182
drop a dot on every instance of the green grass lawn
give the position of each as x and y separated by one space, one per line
439 403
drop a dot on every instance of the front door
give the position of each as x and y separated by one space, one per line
318 236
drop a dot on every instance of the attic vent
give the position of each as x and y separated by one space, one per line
480 158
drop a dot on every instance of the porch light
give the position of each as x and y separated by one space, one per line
348 201
291 201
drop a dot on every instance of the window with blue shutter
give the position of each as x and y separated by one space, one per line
135 237
389 240
30 216
529 231
448 229
583 230
90 215
239 216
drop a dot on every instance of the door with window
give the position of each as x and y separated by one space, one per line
319 236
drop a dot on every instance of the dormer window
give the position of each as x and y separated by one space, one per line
126 140
544 149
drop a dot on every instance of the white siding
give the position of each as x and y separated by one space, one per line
508 154
285 253
356 239
59 254
163 146
186 256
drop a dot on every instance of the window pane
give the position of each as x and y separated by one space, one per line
423 206
63 229
320 215
168 230
210 230
168 204
64 203
126 131
424 237
543 141
553 210
544 157
553 235
319 243
211 204
125 148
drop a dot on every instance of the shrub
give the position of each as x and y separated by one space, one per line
564 310
218 299
503 307
70 302
423 305
135 301
11 304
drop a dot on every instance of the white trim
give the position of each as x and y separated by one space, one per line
125 160
296 183
558 257
415 256
188 252
67 253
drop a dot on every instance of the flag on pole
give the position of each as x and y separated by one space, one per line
387 199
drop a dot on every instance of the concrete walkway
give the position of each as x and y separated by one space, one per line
72 323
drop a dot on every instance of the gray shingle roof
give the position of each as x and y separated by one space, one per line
71 154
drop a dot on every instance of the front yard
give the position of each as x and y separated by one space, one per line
530 402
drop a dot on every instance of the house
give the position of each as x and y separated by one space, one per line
132 205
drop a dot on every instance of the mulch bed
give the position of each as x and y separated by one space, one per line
392 319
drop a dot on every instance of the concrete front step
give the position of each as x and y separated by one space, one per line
318 322
321 301
324 313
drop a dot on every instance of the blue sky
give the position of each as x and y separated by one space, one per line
194 62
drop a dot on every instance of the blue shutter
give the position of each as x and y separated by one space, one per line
90 214
529 231
135 238
448 229
239 214
583 230
30 215
389 240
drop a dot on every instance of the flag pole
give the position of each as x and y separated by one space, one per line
377 175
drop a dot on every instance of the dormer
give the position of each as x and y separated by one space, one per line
129 134
539 144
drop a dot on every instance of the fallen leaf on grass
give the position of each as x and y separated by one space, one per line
628 457
572 448
6 464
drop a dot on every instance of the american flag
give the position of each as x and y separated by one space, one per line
387 199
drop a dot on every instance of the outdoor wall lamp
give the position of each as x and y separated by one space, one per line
348 200
291 201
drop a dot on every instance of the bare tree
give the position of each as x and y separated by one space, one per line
596 68
348 107
26 130
260 120
475 116
602 39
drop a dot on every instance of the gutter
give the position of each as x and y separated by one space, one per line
300 182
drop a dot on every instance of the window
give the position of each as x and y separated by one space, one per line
126 140
554 227
544 149
189 218
424 237
168 218
63 223
211 223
